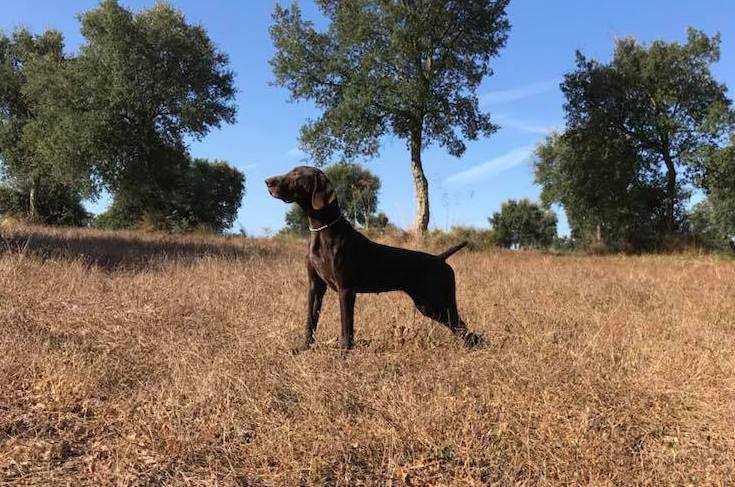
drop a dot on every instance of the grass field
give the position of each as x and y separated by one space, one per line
141 359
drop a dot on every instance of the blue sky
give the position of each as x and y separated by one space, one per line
523 96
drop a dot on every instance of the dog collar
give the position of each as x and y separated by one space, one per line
317 229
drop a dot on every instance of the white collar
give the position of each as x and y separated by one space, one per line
325 226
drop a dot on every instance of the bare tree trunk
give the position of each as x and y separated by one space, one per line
421 223
32 208
670 193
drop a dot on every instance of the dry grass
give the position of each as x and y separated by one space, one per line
129 359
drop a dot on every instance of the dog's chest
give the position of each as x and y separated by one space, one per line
322 260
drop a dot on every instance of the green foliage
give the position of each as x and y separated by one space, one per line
410 69
200 196
121 111
26 59
55 204
636 130
117 116
703 228
477 238
610 199
150 80
523 224
356 189
713 220
213 195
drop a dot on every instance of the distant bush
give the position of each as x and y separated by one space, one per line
478 238
523 224
712 224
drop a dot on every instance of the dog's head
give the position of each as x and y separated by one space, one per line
307 186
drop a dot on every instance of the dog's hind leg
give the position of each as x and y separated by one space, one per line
445 312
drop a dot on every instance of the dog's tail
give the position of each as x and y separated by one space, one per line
448 253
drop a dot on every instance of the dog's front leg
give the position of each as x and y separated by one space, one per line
317 288
347 315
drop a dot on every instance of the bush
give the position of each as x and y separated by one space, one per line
710 223
477 238
55 205
523 224
204 198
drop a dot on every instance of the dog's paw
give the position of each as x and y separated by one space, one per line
474 340
300 348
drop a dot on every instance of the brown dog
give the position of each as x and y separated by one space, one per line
348 262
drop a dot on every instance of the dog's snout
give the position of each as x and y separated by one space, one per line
272 181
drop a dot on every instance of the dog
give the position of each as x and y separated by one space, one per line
349 263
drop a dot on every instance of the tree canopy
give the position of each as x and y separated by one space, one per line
119 114
150 80
523 224
200 195
26 171
715 217
609 197
410 69
636 128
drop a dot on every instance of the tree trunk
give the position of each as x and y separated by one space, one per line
421 223
670 193
32 208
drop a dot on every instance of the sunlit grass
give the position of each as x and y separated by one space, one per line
136 359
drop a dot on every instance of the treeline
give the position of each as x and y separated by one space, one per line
116 117
644 132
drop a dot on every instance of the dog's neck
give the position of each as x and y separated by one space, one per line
324 217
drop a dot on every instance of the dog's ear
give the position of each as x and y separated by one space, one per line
322 194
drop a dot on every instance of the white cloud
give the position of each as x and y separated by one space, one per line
296 153
513 123
493 167
515 94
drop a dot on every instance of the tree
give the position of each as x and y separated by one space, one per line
407 68
201 195
26 172
611 197
143 83
356 189
55 204
660 100
714 218
523 224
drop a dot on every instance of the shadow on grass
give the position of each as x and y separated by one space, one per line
123 251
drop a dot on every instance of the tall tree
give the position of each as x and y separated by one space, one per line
144 83
661 99
25 59
409 68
